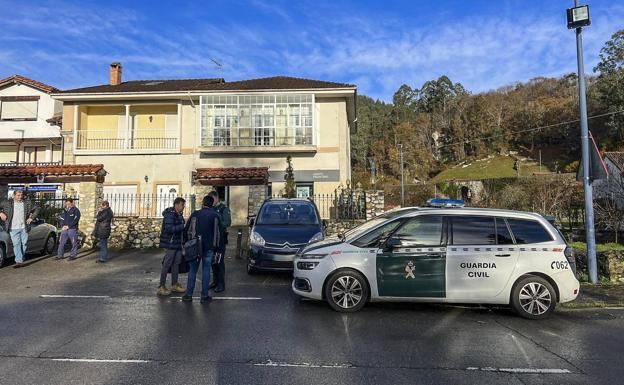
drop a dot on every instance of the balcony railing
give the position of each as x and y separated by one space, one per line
12 164
115 140
244 137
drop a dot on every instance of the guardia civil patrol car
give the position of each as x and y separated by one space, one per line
445 253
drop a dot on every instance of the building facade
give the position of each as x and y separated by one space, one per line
170 137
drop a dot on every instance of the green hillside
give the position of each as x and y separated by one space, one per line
489 168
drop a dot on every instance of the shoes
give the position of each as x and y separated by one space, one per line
177 288
219 289
187 298
212 286
73 258
163 291
100 261
59 257
18 265
205 299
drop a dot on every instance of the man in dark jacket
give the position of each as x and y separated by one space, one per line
70 218
102 230
207 225
18 213
226 221
171 239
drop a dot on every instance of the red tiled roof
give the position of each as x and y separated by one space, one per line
214 84
232 176
53 170
19 79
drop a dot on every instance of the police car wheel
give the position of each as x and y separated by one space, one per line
533 298
346 291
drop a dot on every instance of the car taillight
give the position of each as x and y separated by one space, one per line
568 254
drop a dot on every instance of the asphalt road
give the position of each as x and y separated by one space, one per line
79 322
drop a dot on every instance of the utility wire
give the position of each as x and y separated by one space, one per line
530 129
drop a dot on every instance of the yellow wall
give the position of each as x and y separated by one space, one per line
7 154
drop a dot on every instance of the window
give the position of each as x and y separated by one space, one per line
288 213
425 230
257 120
373 237
503 236
18 110
528 231
474 230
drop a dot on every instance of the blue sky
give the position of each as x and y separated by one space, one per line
377 45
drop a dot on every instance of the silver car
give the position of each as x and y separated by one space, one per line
41 240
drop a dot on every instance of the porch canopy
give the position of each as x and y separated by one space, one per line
241 176
56 173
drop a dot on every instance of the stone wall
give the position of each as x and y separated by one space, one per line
375 203
135 233
257 195
90 195
610 265
335 228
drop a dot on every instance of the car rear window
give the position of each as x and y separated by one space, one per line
474 230
288 213
527 231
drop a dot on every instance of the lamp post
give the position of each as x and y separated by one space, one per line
373 170
402 176
578 17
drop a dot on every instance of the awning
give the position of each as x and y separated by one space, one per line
61 173
242 176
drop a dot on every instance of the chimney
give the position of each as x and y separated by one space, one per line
115 74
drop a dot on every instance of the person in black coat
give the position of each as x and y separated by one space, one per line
102 230
171 239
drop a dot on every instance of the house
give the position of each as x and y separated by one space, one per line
29 124
188 136
613 186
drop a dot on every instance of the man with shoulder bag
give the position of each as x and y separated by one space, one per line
171 239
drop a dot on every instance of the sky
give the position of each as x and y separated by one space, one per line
376 45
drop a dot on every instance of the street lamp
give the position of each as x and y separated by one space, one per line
402 175
373 170
578 17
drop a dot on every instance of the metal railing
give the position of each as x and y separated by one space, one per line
13 164
147 205
339 206
249 137
116 140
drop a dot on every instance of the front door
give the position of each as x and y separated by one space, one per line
416 265
165 195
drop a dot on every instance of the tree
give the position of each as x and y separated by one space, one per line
609 215
610 82
289 177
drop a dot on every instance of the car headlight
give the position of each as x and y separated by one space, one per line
316 237
304 265
256 239
313 256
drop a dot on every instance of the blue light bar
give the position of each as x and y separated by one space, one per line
442 202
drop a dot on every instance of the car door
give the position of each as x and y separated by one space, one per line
412 264
480 256
36 237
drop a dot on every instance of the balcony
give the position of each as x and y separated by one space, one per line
137 141
270 139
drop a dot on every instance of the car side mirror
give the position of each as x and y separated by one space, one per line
251 221
392 243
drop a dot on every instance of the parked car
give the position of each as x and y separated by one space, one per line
451 255
281 229
41 240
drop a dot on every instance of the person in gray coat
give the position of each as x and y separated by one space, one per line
102 230
18 213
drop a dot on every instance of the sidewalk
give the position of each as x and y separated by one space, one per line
598 295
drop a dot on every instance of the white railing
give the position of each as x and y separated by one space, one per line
261 137
119 140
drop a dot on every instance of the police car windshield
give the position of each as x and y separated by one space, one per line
364 227
288 213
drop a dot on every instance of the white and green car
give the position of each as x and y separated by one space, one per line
451 255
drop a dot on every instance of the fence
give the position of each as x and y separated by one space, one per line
146 205
51 207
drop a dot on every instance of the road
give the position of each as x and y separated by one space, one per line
79 322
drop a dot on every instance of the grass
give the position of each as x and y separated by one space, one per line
600 247
488 168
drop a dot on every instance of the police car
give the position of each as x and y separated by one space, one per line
444 253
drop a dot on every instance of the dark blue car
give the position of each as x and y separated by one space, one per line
281 228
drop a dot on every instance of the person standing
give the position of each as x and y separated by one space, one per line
18 213
206 224
69 232
171 239
102 230
226 220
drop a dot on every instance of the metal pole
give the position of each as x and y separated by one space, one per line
589 208
402 176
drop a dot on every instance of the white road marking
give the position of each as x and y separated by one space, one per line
521 370
227 298
72 296
93 360
302 365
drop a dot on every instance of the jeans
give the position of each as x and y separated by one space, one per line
172 261
103 249
206 263
219 273
72 236
19 238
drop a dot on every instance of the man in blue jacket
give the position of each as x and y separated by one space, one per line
206 224
71 218
171 239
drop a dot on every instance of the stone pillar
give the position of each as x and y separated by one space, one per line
374 203
90 194
200 192
257 195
